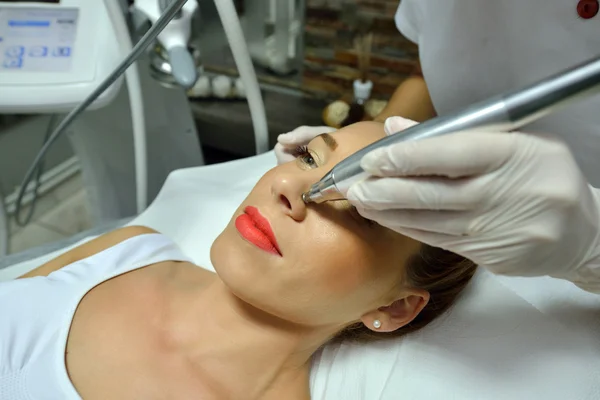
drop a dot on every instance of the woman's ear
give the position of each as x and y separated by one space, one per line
398 314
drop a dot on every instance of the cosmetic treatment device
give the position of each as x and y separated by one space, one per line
502 113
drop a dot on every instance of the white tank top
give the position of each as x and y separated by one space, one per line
473 49
36 315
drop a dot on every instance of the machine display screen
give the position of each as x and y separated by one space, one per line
37 39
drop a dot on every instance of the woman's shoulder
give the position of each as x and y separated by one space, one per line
90 248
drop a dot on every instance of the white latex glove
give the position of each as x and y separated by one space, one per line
512 202
301 136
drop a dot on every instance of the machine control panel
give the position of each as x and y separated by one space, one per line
54 53
37 39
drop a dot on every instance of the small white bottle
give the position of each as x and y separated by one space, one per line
221 86
240 90
202 88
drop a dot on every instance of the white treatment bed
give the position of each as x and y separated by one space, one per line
506 338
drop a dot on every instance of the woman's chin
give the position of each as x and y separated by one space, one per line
232 263
244 271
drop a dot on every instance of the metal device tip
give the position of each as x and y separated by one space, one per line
305 198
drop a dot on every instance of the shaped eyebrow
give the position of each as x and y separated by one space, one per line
329 141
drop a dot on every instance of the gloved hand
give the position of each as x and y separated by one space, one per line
512 202
301 136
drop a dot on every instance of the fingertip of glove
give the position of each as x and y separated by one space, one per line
357 197
371 162
387 126
285 138
353 197
394 125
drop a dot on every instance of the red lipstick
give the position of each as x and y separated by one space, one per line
256 229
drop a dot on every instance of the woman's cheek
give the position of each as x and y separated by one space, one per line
340 262
345 278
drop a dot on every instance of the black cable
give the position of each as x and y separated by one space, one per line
39 172
137 51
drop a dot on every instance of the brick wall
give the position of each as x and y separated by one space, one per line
330 63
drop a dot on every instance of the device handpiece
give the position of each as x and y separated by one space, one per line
502 113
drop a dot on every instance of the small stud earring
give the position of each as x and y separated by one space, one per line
377 324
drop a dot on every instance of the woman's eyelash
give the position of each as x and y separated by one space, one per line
300 151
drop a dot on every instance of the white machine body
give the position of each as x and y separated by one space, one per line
179 30
54 54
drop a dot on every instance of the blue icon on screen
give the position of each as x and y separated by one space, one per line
15 51
13 63
38 51
62 52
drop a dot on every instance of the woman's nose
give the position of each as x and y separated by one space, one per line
287 192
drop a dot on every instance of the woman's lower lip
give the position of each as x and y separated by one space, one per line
246 227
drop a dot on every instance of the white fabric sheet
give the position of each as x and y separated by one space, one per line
506 338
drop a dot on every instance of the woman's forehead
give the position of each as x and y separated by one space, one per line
359 135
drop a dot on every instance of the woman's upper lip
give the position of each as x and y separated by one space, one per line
262 224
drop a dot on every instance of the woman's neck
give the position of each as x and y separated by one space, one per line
238 350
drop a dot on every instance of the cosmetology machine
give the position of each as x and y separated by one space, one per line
273 31
60 56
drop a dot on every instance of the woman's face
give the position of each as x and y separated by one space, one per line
329 266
